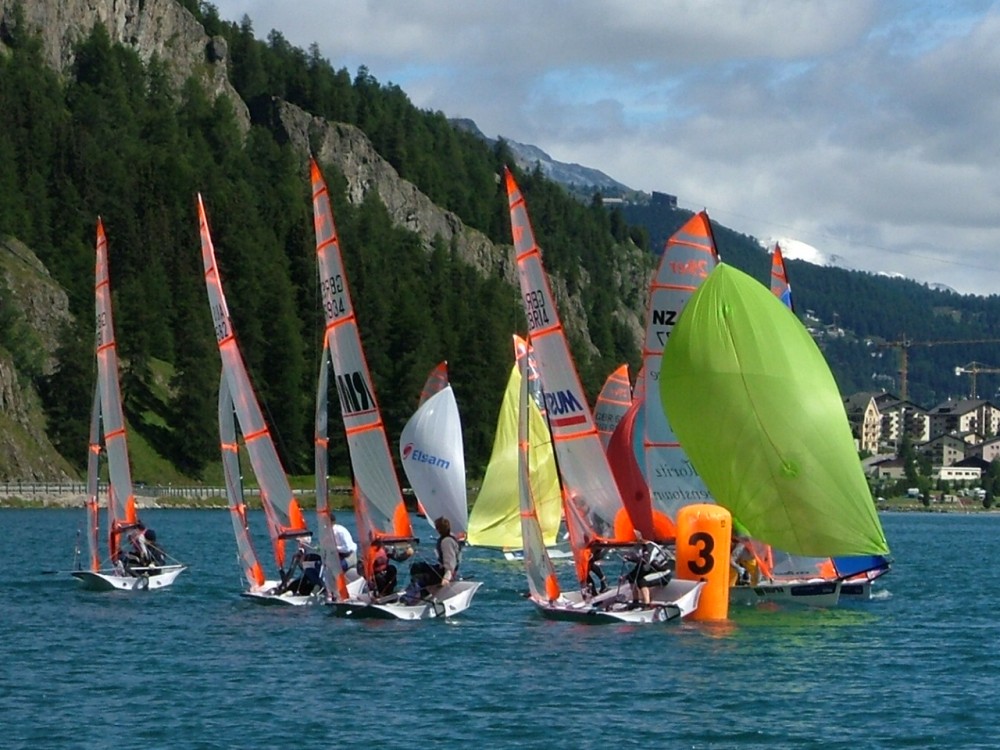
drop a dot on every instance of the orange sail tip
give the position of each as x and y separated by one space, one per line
509 179
551 588
314 173
295 516
100 230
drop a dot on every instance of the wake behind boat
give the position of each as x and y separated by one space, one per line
136 560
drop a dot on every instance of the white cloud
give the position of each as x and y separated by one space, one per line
865 129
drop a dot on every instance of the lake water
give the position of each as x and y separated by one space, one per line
197 666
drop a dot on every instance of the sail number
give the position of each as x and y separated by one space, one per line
221 324
102 320
705 562
332 291
535 310
666 318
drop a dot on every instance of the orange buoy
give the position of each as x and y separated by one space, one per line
704 537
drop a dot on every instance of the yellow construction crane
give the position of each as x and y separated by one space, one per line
904 343
972 369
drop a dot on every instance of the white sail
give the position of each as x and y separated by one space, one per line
285 520
380 508
433 458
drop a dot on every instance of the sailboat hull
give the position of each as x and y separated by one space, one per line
110 580
674 601
813 593
265 594
447 601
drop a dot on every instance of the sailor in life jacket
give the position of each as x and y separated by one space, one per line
653 567
384 576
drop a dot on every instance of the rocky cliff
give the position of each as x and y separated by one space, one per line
153 28
25 450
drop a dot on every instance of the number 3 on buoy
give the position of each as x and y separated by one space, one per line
704 535
704 563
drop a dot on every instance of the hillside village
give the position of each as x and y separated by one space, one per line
943 453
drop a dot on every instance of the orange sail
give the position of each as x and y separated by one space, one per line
613 401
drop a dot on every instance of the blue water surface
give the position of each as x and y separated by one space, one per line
197 666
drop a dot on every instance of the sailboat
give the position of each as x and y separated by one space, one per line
595 517
495 520
688 258
612 402
125 530
238 403
759 414
378 499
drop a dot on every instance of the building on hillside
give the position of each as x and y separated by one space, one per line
865 420
944 450
967 415
900 418
959 474
663 200
988 450
888 468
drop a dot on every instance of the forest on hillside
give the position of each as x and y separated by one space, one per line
113 139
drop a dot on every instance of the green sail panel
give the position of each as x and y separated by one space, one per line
757 410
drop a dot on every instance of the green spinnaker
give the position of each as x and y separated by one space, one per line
756 409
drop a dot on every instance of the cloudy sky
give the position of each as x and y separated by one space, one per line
868 129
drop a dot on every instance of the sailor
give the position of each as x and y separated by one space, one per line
597 582
346 546
653 566
743 561
384 574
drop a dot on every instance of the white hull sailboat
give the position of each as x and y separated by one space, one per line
238 404
816 592
595 515
142 578
135 562
378 500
